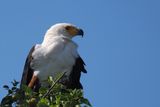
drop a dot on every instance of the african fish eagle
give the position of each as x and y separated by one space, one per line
56 54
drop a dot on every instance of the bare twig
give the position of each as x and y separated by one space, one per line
55 82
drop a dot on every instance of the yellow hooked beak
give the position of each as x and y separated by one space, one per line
74 31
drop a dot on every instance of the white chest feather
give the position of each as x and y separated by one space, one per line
48 60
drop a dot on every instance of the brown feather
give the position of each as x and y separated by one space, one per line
74 78
27 75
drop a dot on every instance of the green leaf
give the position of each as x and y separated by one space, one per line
85 101
6 87
10 91
58 99
42 90
15 83
43 103
14 88
28 91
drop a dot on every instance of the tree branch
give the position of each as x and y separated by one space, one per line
50 89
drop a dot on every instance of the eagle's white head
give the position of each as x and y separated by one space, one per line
65 29
61 30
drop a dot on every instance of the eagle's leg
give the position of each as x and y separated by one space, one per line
33 81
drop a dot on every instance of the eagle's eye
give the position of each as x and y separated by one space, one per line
68 27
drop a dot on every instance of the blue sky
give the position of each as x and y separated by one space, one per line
121 45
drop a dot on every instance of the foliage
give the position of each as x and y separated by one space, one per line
57 96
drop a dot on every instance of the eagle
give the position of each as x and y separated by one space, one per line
56 54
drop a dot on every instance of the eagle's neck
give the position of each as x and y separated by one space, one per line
49 39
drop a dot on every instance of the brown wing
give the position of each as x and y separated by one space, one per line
74 78
27 75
